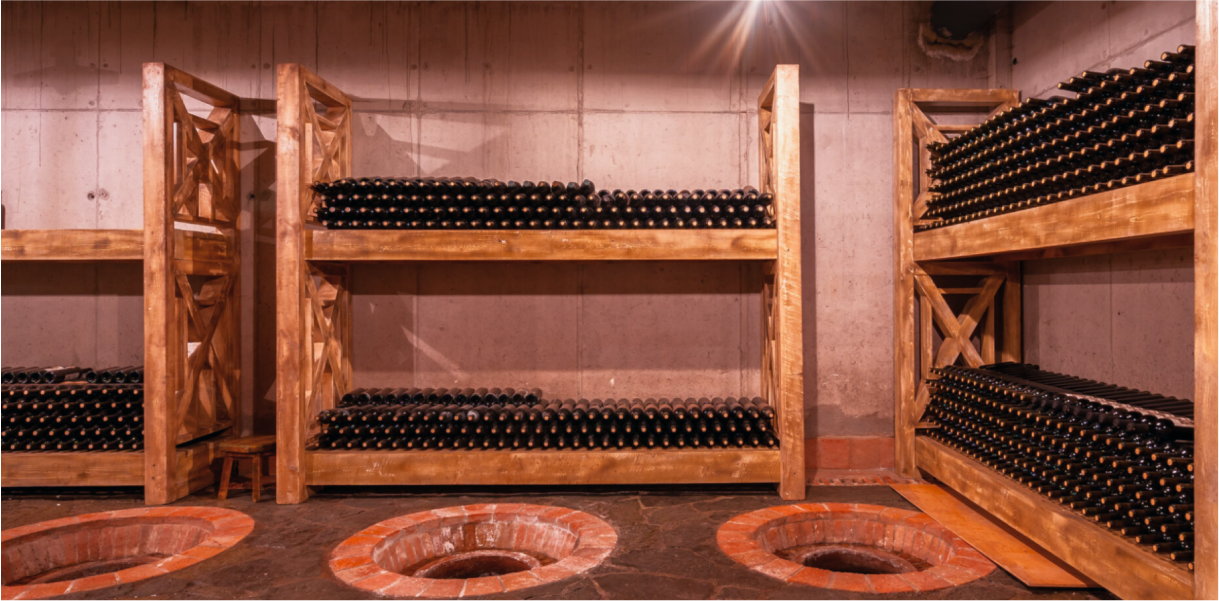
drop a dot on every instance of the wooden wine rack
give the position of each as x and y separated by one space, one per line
1174 212
315 343
191 296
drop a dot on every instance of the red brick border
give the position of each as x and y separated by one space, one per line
371 559
112 535
751 539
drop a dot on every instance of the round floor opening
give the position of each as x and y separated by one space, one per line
98 550
855 559
859 548
472 550
478 564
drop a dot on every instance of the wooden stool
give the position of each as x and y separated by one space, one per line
253 447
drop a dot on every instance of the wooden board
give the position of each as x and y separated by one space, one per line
542 467
1159 208
1029 565
783 345
106 245
904 378
1206 297
72 469
72 245
541 245
193 462
1120 566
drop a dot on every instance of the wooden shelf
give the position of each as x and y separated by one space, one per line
1119 565
542 245
1170 213
72 245
106 245
652 466
105 468
1137 214
314 307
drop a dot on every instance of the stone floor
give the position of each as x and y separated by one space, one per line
666 546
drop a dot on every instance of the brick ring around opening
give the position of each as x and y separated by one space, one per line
113 547
766 540
383 557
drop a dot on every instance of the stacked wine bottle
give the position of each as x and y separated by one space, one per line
73 409
520 420
1123 127
1120 457
474 204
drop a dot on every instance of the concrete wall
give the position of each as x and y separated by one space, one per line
626 94
1126 318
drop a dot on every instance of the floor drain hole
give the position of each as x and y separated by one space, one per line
856 560
478 564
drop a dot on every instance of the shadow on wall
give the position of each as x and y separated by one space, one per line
86 314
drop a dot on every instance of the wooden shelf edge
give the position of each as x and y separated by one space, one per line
1120 566
541 245
107 245
718 466
72 245
72 469
1137 213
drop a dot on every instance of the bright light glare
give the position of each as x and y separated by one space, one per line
766 31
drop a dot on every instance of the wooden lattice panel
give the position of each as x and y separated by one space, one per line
192 327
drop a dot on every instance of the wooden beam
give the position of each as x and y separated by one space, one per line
541 245
904 350
1120 566
543 467
199 89
1158 208
72 469
1013 334
161 330
965 98
72 245
1206 310
788 352
1028 564
291 315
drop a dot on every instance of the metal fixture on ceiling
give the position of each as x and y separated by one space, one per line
956 20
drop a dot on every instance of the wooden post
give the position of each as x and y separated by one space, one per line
787 280
1206 312
904 381
1012 316
160 331
290 301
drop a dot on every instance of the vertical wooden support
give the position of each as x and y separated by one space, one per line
313 342
160 331
1206 312
904 378
779 139
1012 349
290 301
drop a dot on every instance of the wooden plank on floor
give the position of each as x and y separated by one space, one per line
1027 564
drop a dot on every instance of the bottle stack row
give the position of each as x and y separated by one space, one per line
471 420
132 374
73 417
1123 127
1119 457
361 397
474 204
